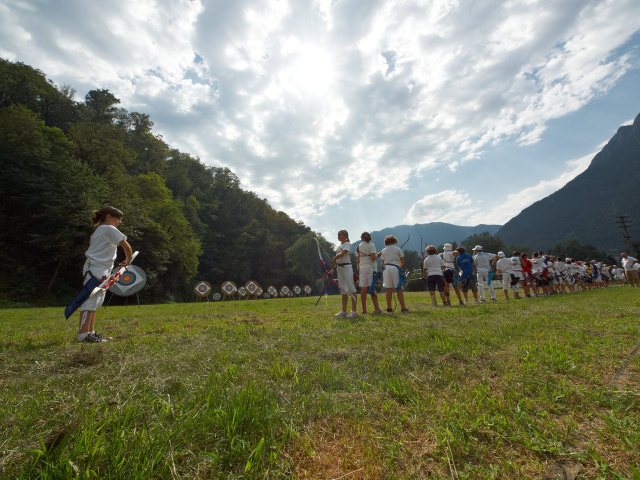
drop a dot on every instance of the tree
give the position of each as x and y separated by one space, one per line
572 249
45 193
412 260
100 106
489 243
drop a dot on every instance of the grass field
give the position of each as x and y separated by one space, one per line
534 388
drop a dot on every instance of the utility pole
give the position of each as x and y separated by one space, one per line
624 224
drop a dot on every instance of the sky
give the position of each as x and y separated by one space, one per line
353 114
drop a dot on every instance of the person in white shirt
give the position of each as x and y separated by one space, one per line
342 261
103 250
503 267
630 266
538 269
392 261
433 269
483 266
570 276
560 270
367 257
448 257
516 266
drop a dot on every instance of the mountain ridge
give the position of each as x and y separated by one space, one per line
587 206
433 233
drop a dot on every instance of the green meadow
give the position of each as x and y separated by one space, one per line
537 388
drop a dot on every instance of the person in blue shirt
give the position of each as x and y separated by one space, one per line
467 271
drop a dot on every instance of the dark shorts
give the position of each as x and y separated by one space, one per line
469 284
448 275
434 281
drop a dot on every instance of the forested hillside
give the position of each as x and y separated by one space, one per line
61 158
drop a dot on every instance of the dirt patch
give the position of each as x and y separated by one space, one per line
337 448
87 356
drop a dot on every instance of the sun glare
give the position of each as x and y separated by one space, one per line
310 71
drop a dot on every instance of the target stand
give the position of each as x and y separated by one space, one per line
202 290
229 289
130 283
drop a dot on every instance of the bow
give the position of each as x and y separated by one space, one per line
408 238
328 278
106 284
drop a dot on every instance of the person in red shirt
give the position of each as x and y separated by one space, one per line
526 270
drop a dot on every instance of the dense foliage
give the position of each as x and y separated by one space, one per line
61 158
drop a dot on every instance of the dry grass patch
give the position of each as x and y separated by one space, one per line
337 448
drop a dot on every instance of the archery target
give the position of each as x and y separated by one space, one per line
259 292
307 289
131 281
202 289
242 292
229 288
284 291
273 291
265 295
297 290
216 296
252 287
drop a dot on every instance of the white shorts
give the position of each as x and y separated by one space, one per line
345 280
366 277
390 277
95 302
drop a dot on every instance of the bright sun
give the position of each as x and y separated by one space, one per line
310 71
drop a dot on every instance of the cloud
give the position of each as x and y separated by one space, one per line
312 103
516 202
450 206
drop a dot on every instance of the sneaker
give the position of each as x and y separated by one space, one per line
389 310
405 309
352 314
96 334
477 301
494 299
341 314
462 303
377 312
92 338
466 300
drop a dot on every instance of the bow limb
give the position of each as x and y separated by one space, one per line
327 273
409 238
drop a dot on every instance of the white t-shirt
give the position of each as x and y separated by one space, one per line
560 267
392 254
504 265
448 258
516 264
103 246
433 265
536 264
483 260
366 249
346 258
626 264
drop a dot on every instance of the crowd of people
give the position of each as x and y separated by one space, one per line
455 271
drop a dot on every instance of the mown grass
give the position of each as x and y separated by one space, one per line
280 389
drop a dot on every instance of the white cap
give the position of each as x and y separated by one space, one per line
477 247
501 254
447 246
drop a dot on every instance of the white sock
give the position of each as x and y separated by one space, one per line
82 336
